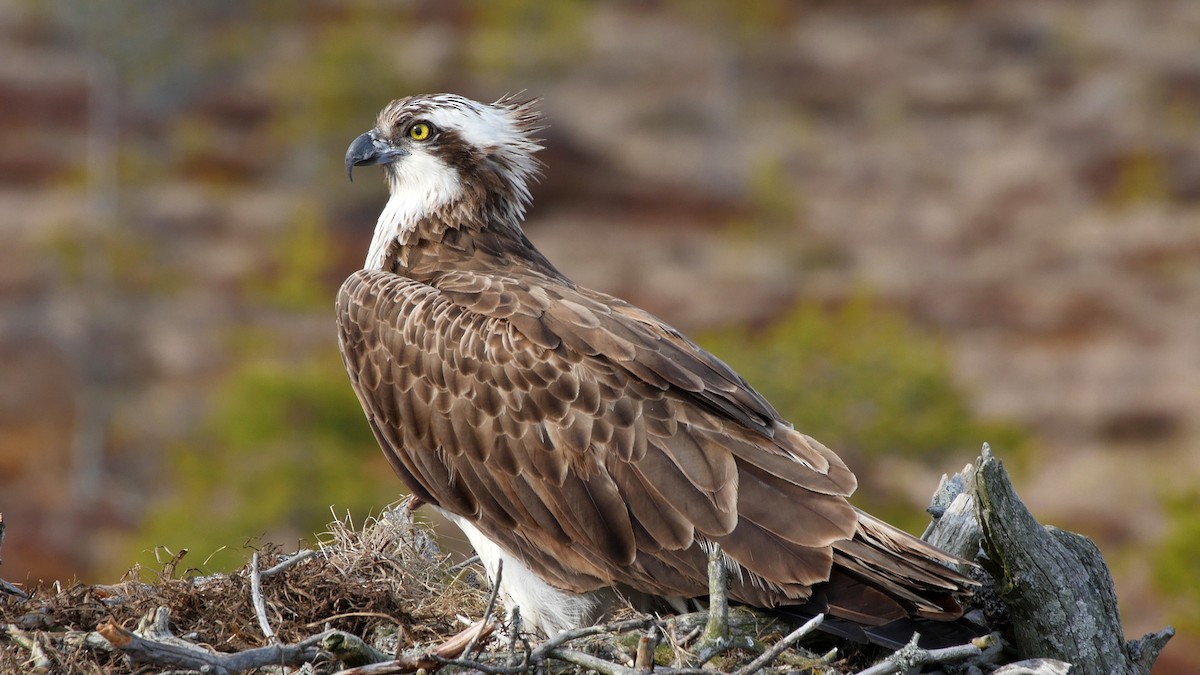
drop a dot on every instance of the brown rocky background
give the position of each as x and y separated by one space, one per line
1021 179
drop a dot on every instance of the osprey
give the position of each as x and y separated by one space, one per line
592 448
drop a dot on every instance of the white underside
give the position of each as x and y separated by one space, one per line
543 607
422 184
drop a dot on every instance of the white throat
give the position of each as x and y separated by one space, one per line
420 185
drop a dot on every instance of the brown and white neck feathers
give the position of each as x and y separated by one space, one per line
472 172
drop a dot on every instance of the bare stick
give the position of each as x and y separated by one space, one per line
344 615
295 559
779 647
38 659
487 613
590 662
910 656
352 650
143 650
14 590
576 633
260 605
464 564
715 638
439 655
647 645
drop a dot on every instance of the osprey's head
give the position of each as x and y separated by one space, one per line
444 150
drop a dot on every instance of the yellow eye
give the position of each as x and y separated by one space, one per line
419 131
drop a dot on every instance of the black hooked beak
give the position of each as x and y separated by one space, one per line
367 149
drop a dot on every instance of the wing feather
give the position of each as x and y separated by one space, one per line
593 441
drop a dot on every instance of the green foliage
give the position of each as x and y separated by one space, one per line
864 382
283 443
510 35
296 280
1176 572
1141 178
773 201
344 70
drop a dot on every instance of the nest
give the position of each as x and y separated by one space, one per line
387 581
385 599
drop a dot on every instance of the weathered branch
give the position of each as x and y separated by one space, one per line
1055 584
259 603
776 649
593 663
1035 667
433 658
911 656
487 613
38 661
643 662
289 561
161 648
715 638
352 650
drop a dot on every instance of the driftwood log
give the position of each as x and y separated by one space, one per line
1053 585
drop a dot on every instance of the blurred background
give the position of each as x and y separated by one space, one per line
915 226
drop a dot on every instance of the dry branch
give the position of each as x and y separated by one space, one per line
409 663
911 656
778 648
159 647
487 613
288 562
715 638
352 650
1055 585
260 605
391 574
38 661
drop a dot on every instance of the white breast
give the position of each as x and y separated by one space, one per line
543 607
421 185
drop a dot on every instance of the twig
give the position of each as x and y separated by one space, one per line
779 647
14 590
260 605
550 649
440 655
295 559
647 645
462 565
910 656
514 633
566 636
715 638
352 650
487 613
345 615
194 657
37 657
590 662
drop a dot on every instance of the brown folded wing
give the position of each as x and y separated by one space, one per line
602 448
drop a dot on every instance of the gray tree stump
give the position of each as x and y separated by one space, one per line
1054 584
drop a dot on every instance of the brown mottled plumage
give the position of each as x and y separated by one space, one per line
588 443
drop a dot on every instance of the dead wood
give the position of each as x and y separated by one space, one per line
384 599
1054 584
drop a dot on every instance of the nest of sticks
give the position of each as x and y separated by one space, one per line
384 598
